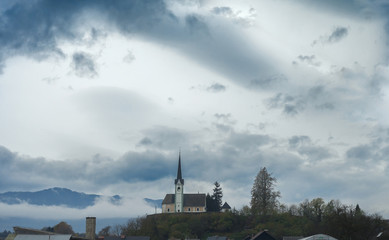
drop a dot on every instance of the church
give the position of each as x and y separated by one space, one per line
183 202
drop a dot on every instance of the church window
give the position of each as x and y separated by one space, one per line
168 209
188 209
198 209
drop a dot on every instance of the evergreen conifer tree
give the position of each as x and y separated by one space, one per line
217 196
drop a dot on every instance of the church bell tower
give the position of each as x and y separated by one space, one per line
179 188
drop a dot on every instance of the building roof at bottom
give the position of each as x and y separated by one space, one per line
42 237
190 199
126 238
319 237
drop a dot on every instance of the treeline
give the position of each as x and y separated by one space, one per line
344 222
341 221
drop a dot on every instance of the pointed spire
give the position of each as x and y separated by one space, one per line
179 174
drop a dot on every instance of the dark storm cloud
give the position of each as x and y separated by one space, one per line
216 87
38 172
196 25
83 65
36 28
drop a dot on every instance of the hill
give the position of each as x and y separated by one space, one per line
54 197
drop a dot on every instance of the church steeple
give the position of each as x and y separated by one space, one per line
179 174
179 187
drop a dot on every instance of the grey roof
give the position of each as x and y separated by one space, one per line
169 199
226 206
42 237
292 237
263 236
138 238
126 238
217 238
190 200
319 237
31 231
196 199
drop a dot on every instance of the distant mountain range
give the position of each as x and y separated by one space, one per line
60 197
55 197
63 197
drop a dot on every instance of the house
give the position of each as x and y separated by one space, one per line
183 202
382 236
226 207
319 237
124 238
217 238
292 237
263 235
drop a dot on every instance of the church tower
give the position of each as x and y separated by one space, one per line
179 188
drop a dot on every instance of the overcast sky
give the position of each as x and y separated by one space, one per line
99 96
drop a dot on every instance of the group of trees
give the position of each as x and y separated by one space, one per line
311 217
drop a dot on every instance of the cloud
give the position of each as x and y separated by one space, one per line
216 87
227 11
129 58
268 82
195 35
338 34
310 60
54 22
360 152
167 138
83 65
291 105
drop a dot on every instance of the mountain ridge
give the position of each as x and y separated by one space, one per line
55 196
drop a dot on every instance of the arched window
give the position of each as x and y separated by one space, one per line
198 209
188 209
168 210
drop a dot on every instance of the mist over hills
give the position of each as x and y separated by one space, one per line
55 197
61 197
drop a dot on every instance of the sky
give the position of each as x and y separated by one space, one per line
100 97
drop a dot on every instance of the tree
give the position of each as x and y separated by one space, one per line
217 196
264 199
63 228
105 231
